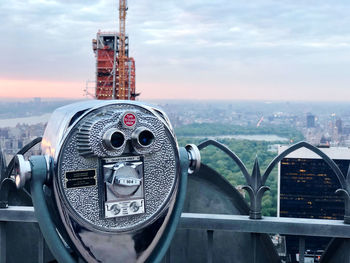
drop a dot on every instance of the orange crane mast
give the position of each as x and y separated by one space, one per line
122 55
115 70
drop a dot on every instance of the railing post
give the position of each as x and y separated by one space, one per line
301 249
41 247
210 238
255 240
2 242
347 242
167 255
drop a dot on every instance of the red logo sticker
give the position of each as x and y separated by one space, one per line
129 119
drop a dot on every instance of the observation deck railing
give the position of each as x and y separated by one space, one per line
210 223
253 223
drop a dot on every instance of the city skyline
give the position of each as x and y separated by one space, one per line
262 50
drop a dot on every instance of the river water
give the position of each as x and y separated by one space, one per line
25 120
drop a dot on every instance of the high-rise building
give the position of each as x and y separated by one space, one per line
310 120
339 126
306 189
106 48
115 70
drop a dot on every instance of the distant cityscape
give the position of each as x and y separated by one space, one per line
321 124
23 121
326 124
12 139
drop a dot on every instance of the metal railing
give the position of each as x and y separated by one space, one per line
253 223
210 223
24 214
301 227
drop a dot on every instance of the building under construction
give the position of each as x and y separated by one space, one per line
115 70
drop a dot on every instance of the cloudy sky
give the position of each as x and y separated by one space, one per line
222 49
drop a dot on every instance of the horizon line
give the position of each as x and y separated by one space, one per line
176 99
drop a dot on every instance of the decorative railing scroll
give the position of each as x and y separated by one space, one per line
255 183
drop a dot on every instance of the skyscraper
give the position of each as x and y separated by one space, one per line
107 48
306 189
339 125
310 120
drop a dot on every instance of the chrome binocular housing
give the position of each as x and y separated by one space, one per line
115 175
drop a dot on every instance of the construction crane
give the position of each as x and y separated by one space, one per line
115 70
122 60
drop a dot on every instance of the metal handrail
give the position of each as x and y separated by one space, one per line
212 222
235 223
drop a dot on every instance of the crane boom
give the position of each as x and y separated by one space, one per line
122 60
115 70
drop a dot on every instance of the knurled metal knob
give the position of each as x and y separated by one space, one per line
23 171
194 157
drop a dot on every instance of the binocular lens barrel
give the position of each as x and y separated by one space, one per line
146 138
142 137
113 139
117 139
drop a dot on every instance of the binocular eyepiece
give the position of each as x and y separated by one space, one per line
142 137
114 139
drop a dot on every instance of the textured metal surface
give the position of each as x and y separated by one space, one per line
77 145
63 118
159 167
102 123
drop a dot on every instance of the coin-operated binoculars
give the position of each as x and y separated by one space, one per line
111 184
